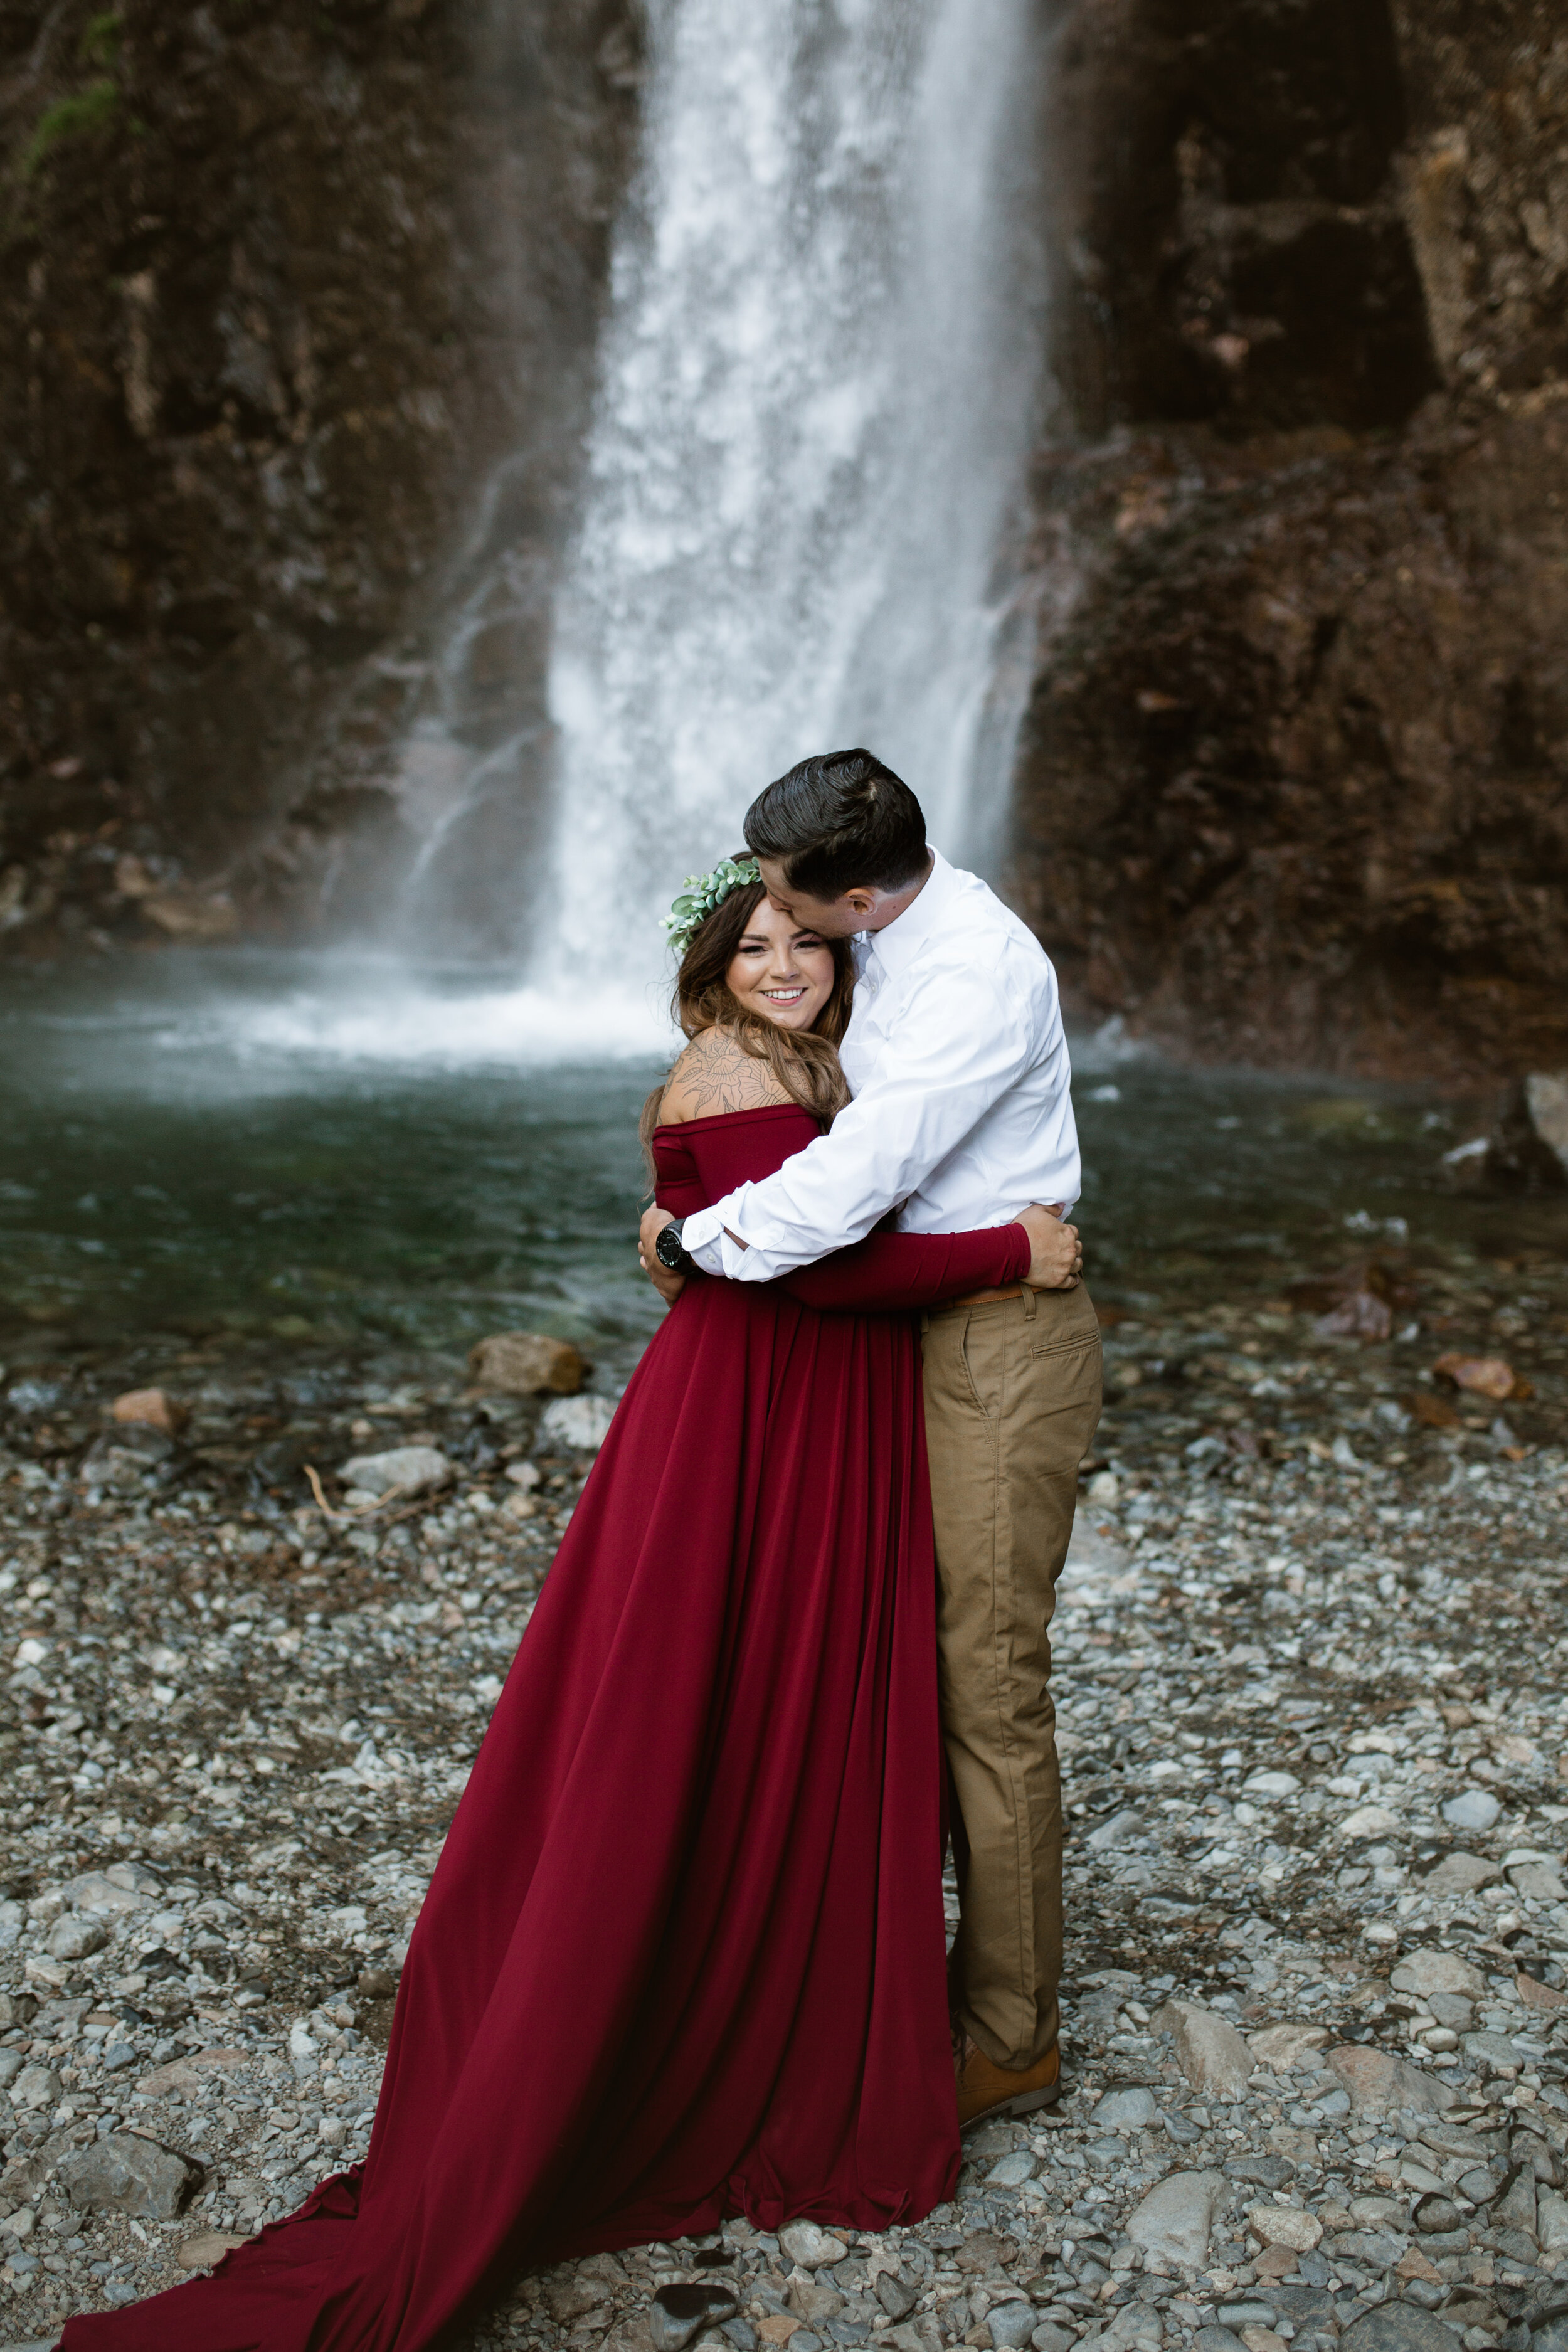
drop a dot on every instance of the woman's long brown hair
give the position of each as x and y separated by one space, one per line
804 1062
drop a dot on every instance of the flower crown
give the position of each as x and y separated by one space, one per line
700 893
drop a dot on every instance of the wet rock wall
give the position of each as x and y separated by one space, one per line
277 287
1292 777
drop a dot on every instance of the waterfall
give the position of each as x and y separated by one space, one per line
818 389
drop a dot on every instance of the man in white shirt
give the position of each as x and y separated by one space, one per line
962 1117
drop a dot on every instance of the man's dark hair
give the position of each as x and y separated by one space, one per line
839 821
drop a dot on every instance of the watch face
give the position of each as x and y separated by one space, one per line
667 1249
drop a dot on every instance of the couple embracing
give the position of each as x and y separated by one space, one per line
683 1955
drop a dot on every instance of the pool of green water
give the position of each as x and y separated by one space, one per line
305 1150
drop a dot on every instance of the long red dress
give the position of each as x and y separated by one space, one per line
682 1956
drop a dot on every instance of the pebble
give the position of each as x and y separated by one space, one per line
1384 1643
526 1363
1012 2325
1210 2053
407 1469
1399 2327
1472 1809
1380 2083
676 2314
1427 1971
1172 2223
1286 2225
1131 2110
579 1422
812 2248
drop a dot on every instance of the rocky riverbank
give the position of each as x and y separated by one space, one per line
1311 1673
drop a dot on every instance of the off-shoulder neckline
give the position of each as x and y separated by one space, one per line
729 1118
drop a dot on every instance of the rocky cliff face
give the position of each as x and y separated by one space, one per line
278 287
281 288
1294 780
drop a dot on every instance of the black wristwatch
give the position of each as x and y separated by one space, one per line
669 1251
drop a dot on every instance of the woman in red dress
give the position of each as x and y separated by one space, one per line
683 1954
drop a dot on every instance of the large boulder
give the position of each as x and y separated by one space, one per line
1528 1150
128 2174
527 1363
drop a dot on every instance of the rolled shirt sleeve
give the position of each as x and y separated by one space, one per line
960 1043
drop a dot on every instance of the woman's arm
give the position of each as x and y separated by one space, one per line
892 1270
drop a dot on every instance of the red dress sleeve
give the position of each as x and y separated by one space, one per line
881 1274
893 1270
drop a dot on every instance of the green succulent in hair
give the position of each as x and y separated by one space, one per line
700 893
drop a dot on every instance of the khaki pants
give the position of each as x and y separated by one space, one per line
1012 1398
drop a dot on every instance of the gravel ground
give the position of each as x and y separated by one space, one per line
1311 1651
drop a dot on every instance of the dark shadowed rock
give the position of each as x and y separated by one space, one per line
677 2313
127 2174
1399 2327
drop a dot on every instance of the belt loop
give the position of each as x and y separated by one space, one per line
1029 1300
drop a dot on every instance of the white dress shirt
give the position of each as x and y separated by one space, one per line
962 1113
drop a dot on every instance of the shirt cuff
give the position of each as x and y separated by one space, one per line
704 1239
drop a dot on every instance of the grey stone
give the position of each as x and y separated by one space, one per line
1435 2212
918 2334
568 2296
36 2086
579 1423
1173 2222
1135 2327
813 2300
1428 1972
11 2065
1377 2083
1049 2338
676 2314
1248 2313
1542 1882
75 1937
1218 2339
1492 2050
898 2295
410 1469
812 2248
1552 2335
1515 2209
1012 2325
1461 1874
1399 2327
128 2174
1552 2221
1472 1809
1211 2054
1129 2108
1011 2171
95 1890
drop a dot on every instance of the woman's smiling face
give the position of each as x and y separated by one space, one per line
780 971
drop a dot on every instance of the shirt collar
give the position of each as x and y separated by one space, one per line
899 944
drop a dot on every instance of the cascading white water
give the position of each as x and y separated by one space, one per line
800 516
818 382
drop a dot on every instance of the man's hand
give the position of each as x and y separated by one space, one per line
669 1286
1058 1260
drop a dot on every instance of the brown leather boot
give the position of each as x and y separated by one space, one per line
984 2089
